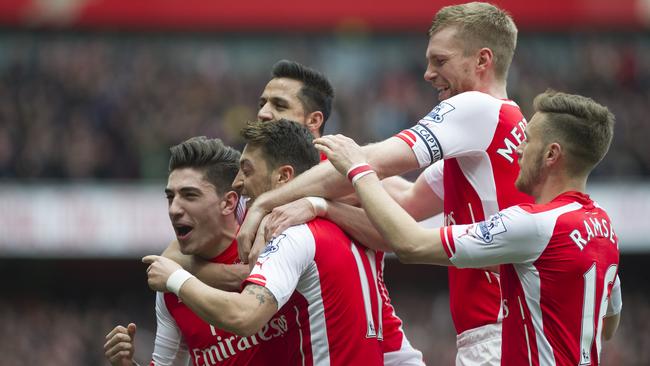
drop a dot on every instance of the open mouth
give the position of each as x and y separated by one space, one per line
183 231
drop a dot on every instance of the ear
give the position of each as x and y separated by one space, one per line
484 60
229 203
553 154
314 121
284 174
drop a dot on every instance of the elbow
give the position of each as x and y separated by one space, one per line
406 254
242 324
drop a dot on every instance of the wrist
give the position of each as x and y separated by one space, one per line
177 279
359 171
319 204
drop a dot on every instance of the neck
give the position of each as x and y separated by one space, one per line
496 89
226 236
556 184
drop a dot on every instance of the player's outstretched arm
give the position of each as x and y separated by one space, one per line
227 277
240 313
411 243
389 157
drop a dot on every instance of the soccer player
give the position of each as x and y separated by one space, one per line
332 277
475 129
559 257
299 93
202 211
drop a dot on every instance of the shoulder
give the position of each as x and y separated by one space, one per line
464 105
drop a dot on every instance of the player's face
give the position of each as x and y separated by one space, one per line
531 154
280 100
448 70
254 176
194 210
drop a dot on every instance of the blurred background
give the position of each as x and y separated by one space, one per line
93 93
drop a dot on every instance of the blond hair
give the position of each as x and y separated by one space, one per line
481 25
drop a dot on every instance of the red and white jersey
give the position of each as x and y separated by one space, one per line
393 332
476 135
563 260
275 344
336 279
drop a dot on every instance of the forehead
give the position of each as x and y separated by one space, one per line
253 155
188 178
444 41
536 123
287 88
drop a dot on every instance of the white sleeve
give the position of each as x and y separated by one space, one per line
434 177
509 236
283 261
460 125
615 303
169 348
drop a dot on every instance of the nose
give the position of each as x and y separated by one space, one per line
175 208
430 73
238 183
264 114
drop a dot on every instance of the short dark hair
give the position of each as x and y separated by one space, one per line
316 93
218 162
584 127
284 143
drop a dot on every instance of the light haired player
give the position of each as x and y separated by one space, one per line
558 257
475 130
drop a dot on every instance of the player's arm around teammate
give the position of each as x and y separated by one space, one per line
239 313
227 277
416 198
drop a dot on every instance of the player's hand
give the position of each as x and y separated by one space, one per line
159 270
248 231
119 348
283 217
173 252
341 151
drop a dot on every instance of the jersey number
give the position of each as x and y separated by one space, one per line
368 283
588 309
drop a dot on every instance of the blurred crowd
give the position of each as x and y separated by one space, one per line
107 106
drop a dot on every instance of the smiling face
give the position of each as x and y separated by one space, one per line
280 100
448 70
531 157
195 210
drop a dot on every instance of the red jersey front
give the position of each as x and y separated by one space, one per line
275 344
336 279
560 261
476 135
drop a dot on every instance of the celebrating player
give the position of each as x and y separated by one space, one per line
332 278
559 257
475 130
202 211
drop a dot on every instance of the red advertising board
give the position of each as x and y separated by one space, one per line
301 15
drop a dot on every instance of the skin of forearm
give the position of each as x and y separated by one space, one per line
355 222
230 311
410 242
227 277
